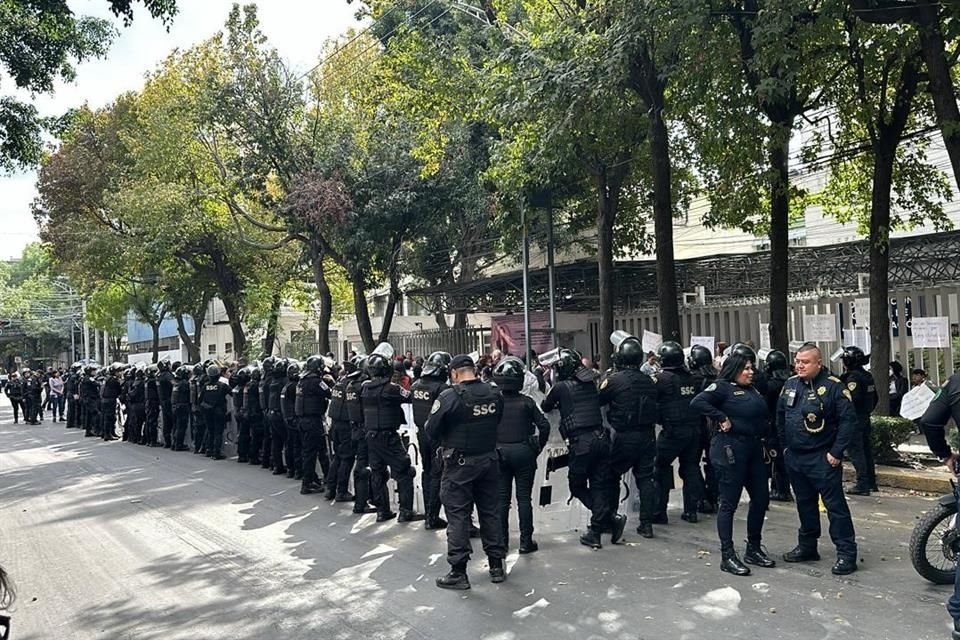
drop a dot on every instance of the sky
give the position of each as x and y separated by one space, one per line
297 28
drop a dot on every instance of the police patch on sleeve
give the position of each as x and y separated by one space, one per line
435 407
712 387
852 386
846 394
404 392
603 385
821 391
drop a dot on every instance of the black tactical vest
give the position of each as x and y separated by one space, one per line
338 401
472 424
425 392
382 409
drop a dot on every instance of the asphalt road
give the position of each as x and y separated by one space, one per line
110 540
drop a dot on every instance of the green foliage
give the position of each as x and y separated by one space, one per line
886 434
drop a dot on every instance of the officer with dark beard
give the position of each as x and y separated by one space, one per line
425 391
633 414
522 434
165 388
362 481
464 421
680 437
700 363
383 403
180 400
778 371
253 415
341 435
108 401
293 442
239 381
581 424
863 390
310 405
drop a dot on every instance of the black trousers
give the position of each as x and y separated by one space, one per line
200 431
779 480
243 438
72 421
468 482
432 472
386 451
256 426
181 421
747 471
293 446
166 410
216 423
861 455
138 416
812 477
635 451
362 477
518 465
266 447
589 476
344 453
108 416
16 403
278 438
30 409
90 416
681 444
314 444
153 418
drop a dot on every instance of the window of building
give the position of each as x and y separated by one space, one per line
228 347
212 349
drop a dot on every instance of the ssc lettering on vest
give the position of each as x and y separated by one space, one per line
485 409
688 391
337 393
420 394
351 396
211 387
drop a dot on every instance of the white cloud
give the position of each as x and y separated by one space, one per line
297 28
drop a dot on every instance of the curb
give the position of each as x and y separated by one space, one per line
925 480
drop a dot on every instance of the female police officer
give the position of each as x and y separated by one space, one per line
737 456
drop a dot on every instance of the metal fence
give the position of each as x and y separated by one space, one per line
731 322
454 341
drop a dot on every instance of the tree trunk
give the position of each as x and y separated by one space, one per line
779 151
608 194
395 293
880 275
941 85
468 272
663 214
323 296
236 327
362 312
272 322
193 345
155 328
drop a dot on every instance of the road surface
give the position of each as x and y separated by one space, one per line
111 540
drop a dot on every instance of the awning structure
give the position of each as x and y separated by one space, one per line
927 259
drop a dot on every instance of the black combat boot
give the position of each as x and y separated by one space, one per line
645 529
619 524
591 538
343 497
434 522
456 579
730 563
844 566
330 493
497 574
690 517
799 554
756 555
383 516
528 545
410 516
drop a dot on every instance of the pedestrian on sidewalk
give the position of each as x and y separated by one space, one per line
55 384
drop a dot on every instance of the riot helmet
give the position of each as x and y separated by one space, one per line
776 361
627 350
437 365
671 355
745 351
509 374
213 372
854 357
293 370
700 357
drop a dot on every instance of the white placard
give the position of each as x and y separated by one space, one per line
915 402
820 328
794 346
861 311
765 336
857 338
931 333
651 341
704 341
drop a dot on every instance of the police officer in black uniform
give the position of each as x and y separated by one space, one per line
425 391
581 425
213 400
362 477
633 413
90 397
293 443
341 435
108 401
198 425
14 391
383 403
165 388
522 434
180 401
266 379
311 404
740 413
253 415
153 406
680 437
863 390
137 397
274 416
71 389
778 371
239 381
31 397
700 362
817 420
464 421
